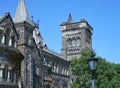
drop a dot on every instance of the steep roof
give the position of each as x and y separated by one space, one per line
39 39
7 20
22 13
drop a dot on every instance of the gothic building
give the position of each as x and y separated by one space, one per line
25 59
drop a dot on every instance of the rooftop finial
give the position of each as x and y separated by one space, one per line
70 20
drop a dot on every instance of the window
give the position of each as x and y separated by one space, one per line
73 42
69 43
9 75
1 36
4 74
78 42
67 72
13 41
1 72
62 70
7 34
57 69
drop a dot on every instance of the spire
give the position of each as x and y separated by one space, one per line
70 18
22 13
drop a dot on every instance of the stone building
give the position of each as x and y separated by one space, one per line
10 57
25 59
76 36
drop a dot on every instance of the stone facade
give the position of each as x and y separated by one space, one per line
75 37
25 59
10 56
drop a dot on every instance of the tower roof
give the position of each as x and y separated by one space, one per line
22 13
70 20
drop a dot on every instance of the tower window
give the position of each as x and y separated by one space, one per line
69 43
73 42
78 42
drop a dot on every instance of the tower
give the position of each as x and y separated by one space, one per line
25 28
76 36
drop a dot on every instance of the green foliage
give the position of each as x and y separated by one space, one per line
107 74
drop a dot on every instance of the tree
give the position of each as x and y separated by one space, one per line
107 74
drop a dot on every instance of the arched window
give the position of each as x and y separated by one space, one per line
69 43
73 42
1 35
1 74
78 42
13 41
4 73
7 35
9 73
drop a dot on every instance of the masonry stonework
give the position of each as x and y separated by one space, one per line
76 36
25 59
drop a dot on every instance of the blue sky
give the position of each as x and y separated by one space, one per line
102 15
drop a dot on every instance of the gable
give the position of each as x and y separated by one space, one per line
6 24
